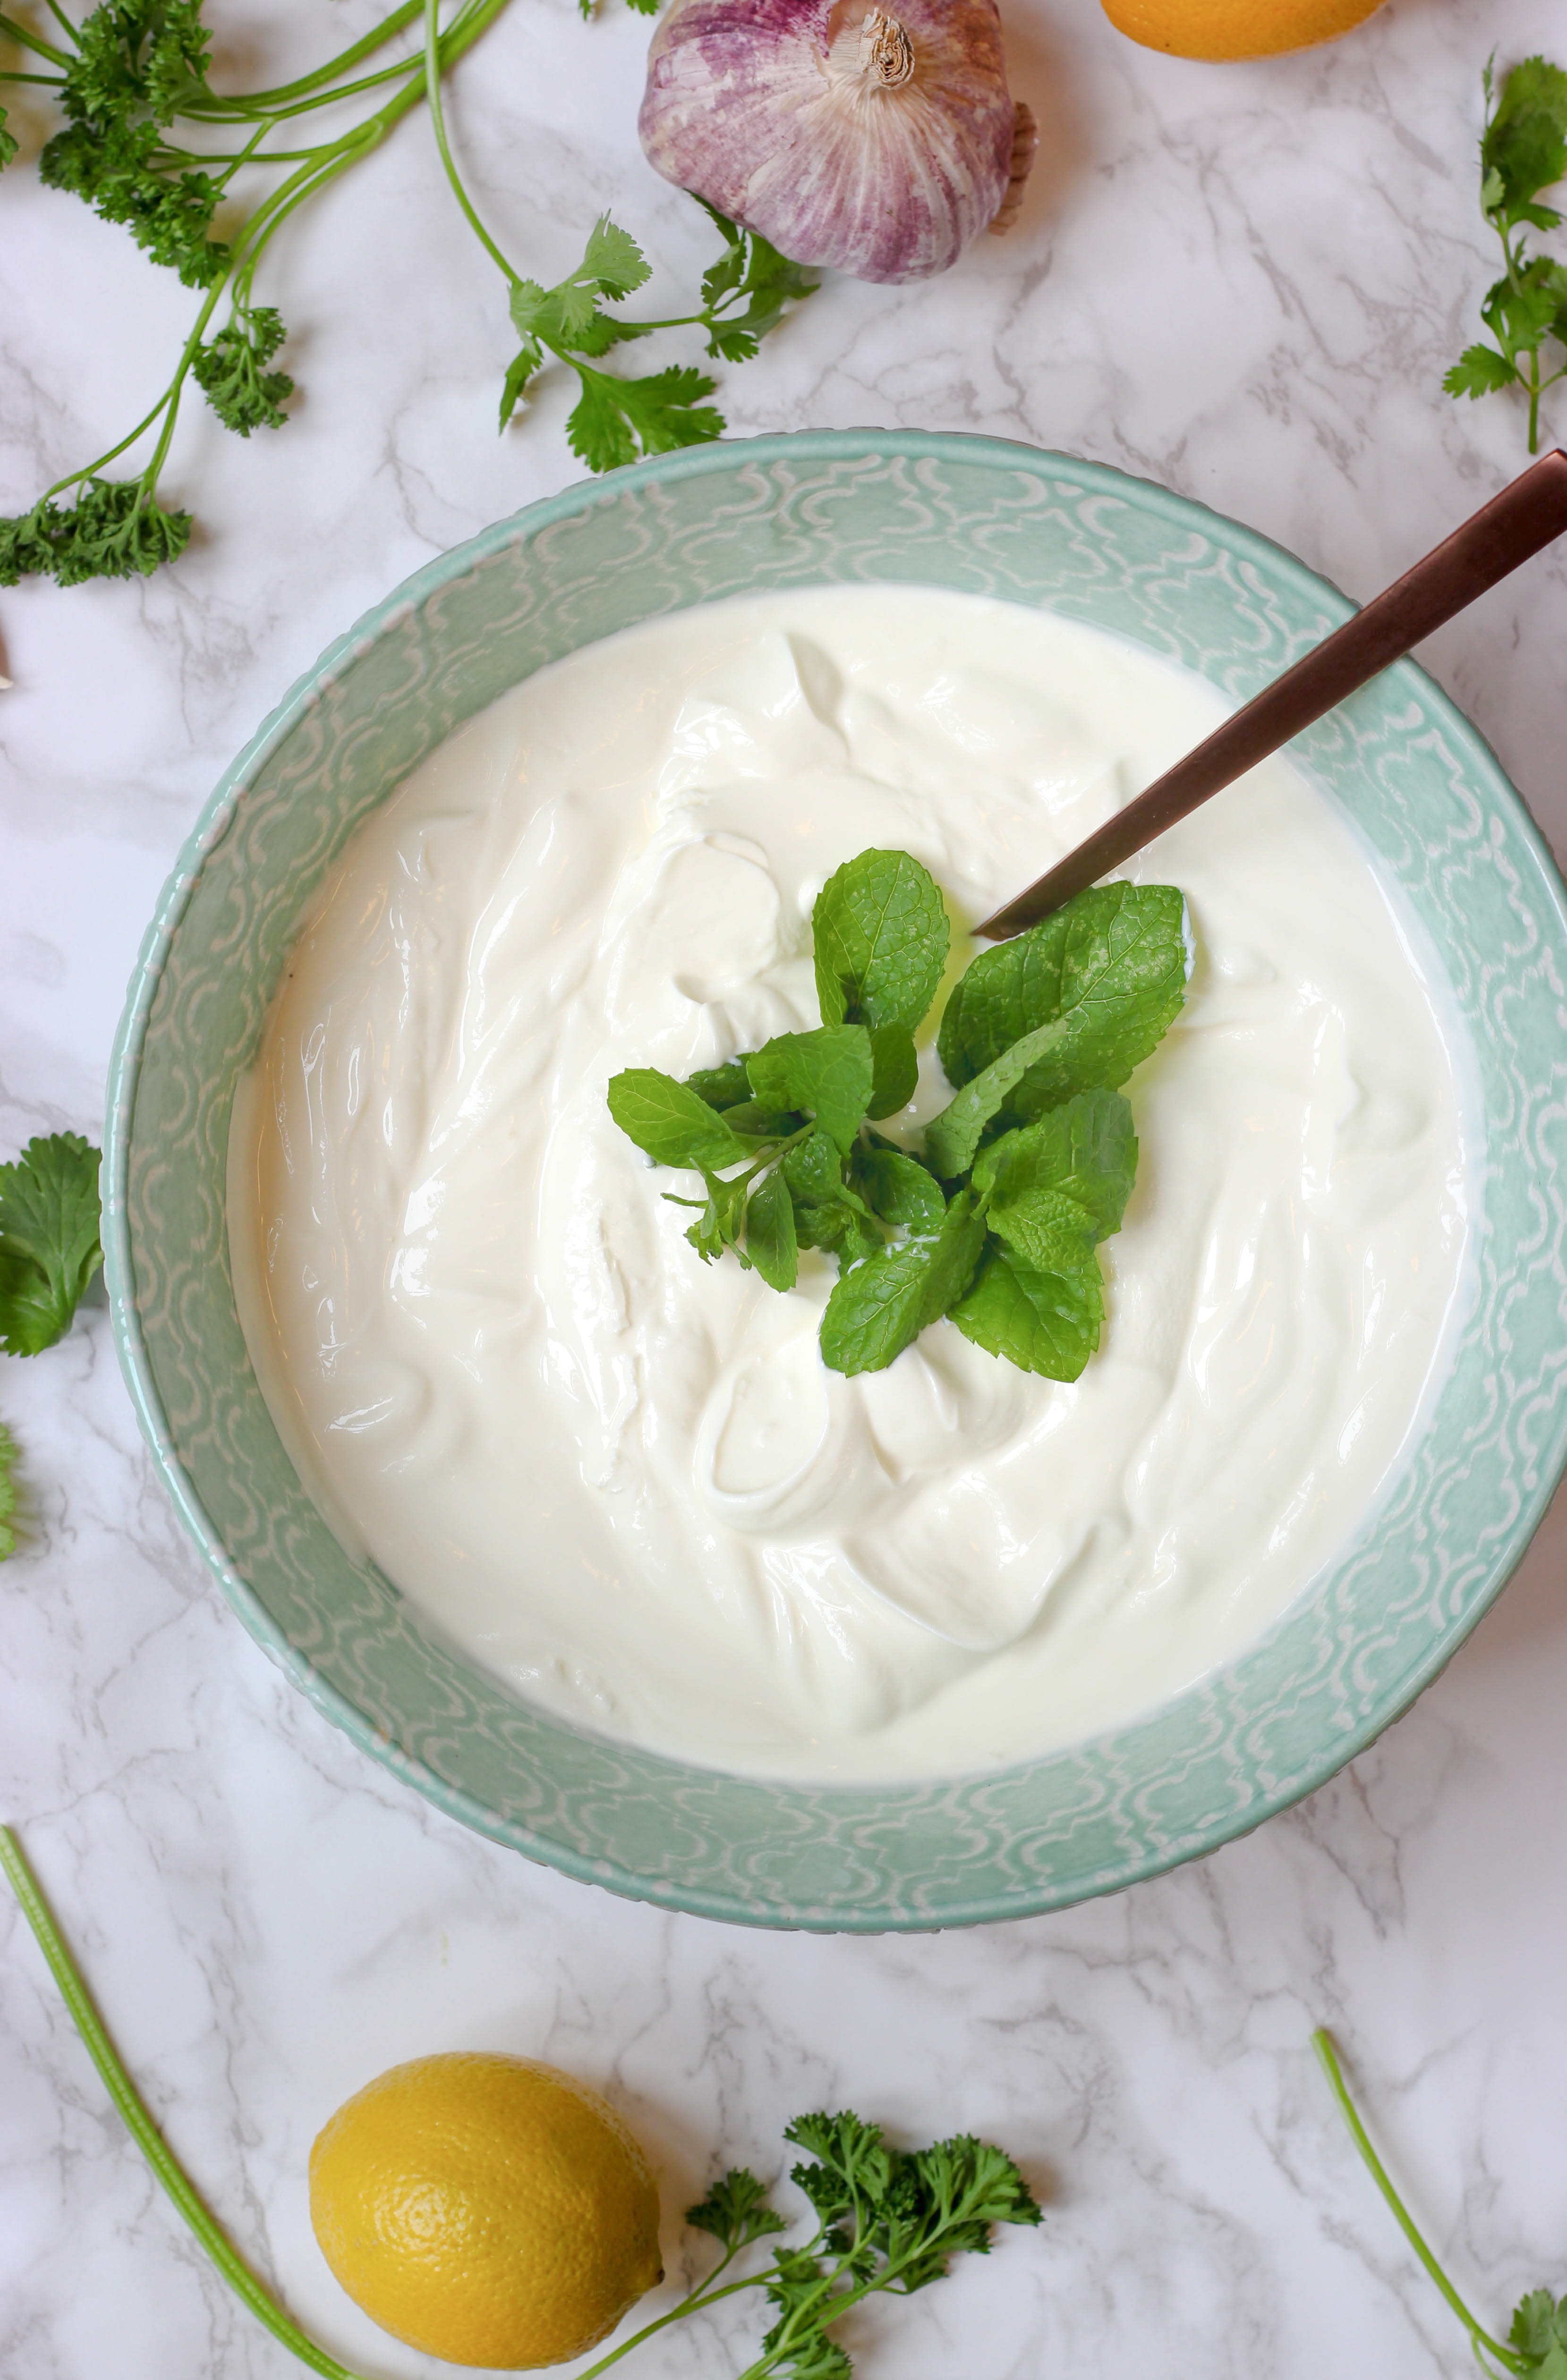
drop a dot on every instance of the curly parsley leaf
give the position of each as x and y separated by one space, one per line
880 936
49 1250
115 530
231 371
736 2211
1523 151
7 1492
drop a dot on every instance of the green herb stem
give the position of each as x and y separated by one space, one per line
695 2302
142 2129
284 96
432 72
1321 2041
11 31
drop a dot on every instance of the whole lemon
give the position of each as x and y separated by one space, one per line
1235 28
487 2209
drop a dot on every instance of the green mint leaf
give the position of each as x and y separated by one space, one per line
736 2211
721 1087
1479 371
670 1122
898 1188
1085 1152
49 1249
813 1169
230 370
881 935
829 1073
896 1065
1045 1322
952 1137
721 1219
771 1240
1111 965
1044 1231
880 1305
1525 146
837 1230
615 419
613 260
757 1122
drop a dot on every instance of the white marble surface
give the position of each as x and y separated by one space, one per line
1245 282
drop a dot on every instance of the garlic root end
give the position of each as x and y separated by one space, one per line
1025 144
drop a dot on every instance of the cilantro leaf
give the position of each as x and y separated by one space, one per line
613 420
7 1492
1525 144
771 1239
1045 1322
49 1249
829 1073
751 274
230 370
670 1122
881 935
1111 964
880 1305
1479 371
613 260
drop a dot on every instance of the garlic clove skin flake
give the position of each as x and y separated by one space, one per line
875 143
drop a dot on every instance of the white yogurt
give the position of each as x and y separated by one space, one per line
625 1481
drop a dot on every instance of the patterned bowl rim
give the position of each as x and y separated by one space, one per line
724 457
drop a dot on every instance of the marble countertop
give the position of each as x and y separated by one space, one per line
1243 282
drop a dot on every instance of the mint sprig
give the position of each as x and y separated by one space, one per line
994 1222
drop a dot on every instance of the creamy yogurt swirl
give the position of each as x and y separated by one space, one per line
625 1481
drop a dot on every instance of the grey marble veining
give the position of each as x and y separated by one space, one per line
1245 282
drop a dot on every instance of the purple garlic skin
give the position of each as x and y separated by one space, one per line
874 144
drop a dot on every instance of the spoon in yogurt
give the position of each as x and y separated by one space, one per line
1526 517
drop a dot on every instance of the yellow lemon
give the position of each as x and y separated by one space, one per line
489 2210
1235 28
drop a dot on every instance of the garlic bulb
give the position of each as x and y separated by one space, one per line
847 136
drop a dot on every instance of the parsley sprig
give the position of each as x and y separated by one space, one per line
1536 2339
1523 151
150 144
996 1219
888 2220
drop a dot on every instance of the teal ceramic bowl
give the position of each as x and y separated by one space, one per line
866 507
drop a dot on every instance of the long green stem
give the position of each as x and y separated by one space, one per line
140 2124
285 94
11 31
695 2301
1322 2043
438 121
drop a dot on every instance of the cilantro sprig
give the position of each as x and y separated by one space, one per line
149 144
1536 2338
1523 151
617 417
887 2220
49 1249
995 1220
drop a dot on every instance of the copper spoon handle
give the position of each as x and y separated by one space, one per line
1503 533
